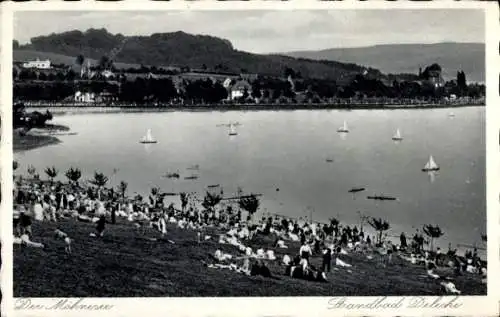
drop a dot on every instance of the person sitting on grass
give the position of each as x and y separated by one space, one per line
25 240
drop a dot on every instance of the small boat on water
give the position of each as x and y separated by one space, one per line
172 175
148 138
430 166
381 197
191 177
329 160
213 186
356 189
397 136
232 130
451 114
344 128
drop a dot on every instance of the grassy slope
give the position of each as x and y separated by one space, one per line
125 264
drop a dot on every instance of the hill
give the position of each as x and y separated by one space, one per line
182 49
407 58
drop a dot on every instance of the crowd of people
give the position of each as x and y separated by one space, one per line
43 201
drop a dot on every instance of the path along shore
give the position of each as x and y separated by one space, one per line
58 107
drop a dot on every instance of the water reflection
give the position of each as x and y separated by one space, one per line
432 176
148 148
343 135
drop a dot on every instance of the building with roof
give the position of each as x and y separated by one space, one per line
37 64
238 89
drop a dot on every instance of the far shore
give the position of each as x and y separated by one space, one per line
103 108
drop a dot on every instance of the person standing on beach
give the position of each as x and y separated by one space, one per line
305 252
368 240
327 259
25 222
101 224
402 240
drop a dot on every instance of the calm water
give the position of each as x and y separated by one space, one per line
288 150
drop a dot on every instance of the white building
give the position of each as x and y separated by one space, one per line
239 88
37 64
86 97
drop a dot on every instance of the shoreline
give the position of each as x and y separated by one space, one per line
37 138
31 142
102 108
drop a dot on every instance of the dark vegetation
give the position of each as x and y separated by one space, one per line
182 50
165 64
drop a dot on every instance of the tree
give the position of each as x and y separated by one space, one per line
73 175
250 204
433 232
184 200
70 75
15 165
122 188
100 180
105 62
31 170
461 83
51 173
155 191
15 44
211 200
334 222
380 226
289 72
80 59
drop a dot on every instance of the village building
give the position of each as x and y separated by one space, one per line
85 97
238 89
37 64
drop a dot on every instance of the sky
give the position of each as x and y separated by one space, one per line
272 31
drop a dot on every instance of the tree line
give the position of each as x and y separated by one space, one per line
33 85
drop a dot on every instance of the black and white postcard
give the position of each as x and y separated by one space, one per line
252 159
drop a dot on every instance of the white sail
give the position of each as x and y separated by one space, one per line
232 130
148 138
397 136
344 128
431 164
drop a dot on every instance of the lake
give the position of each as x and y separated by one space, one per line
282 155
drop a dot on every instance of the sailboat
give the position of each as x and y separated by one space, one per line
397 136
431 165
343 128
148 138
232 130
